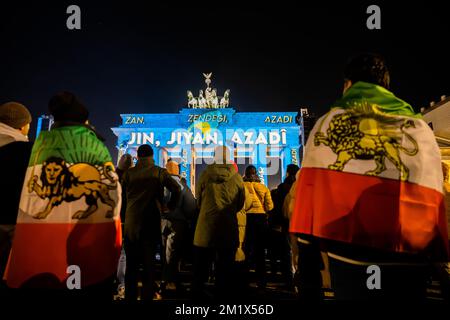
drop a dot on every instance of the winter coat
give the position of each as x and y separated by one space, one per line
261 198
220 196
15 151
143 186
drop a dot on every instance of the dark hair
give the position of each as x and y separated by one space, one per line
144 151
250 171
251 174
368 67
65 106
292 169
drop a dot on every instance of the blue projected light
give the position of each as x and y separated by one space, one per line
191 135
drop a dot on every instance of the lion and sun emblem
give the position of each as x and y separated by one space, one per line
63 183
364 134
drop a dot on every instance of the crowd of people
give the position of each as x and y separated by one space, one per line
232 226
159 213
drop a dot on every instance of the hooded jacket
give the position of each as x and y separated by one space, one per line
15 151
220 196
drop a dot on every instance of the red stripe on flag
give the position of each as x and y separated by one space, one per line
365 210
41 253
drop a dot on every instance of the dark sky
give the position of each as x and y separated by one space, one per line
132 57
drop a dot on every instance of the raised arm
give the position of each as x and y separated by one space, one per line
174 188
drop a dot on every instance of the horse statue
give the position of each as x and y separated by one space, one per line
225 101
214 100
192 102
202 103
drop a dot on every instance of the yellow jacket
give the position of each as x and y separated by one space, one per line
261 198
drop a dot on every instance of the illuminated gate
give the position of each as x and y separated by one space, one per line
268 140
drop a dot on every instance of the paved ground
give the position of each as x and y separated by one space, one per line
276 289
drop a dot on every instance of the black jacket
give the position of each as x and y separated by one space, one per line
14 158
277 218
143 188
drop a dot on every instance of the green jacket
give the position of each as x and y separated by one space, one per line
143 187
220 195
373 94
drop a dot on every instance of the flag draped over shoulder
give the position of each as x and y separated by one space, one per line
372 178
68 213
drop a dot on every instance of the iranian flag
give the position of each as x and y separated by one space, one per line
68 214
372 179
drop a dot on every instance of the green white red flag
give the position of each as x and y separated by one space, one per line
69 212
372 179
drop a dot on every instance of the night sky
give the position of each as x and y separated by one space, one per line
135 58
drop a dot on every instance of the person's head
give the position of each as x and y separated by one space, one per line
66 107
251 174
250 171
173 168
367 67
16 116
144 151
222 155
125 162
291 170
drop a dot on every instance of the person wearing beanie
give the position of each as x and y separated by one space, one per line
174 228
15 150
15 122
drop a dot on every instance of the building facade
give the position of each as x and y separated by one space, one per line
438 118
44 123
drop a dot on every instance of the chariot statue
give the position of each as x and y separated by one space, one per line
208 98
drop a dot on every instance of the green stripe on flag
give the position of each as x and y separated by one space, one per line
73 143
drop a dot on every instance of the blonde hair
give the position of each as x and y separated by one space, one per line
173 168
